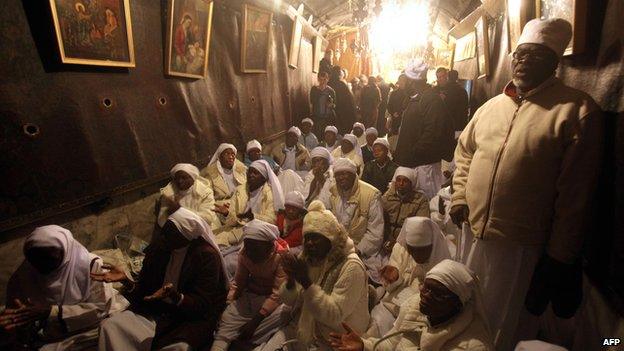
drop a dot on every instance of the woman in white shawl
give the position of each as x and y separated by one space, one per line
350 149
420 246
189 190
52 292
447 315
180 293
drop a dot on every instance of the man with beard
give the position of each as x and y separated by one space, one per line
527 165
326 285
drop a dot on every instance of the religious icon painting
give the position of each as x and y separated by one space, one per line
483 47
188 38
573 11
256 39
93 32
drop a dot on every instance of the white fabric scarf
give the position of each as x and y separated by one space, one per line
264 168
215 158
439 249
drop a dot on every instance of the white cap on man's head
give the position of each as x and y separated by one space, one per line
371 131
416 69
344 164
295 130
332 129
253 144
554 33
359 125
307 120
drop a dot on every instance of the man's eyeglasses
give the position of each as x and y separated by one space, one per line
528 56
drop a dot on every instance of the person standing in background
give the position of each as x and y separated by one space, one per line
345 104
369 105
322 101
384 88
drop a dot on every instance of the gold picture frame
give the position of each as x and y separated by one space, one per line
575 12
83 41
483 47
189 26
519 12
255 39
295 43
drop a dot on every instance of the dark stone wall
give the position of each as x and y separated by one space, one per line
87 152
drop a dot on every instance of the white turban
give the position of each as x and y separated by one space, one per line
383 142
186 168
295 130
322 152
416 69
351 138
554 33
264 168
295 198
220 149
408 173
307 120
253 144
344 164
371 130
260 230
422 231
359 125
332 129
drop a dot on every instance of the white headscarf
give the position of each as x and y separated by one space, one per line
408 173
295 130
220 149
68 284
354 141
186 168
192 226
554 33
264 168
320 151
332 129
371 130
307 120
422 231
260 230
253 144
295 198
358 125
385 143
344 164
462 282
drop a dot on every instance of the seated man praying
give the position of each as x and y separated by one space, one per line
291 154
52 301
254 311
253 152
350 149
367 148
447 315
358 131
189 190
225 173
330 139
180 293
321 178
307 138
380 171
290 221
419 247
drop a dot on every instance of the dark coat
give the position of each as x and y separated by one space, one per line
397 102
456 99
203 284
345 106
379 177
427 134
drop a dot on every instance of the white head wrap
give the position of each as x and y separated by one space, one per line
359 125
462 282
331 129
295 198
68 284
260 230
192 226
320 151
372 130
554 33
307 120
264 168
408 173
253 144
344 164
295 130
422 231
416 69
220 149
352 139
186 168
537 345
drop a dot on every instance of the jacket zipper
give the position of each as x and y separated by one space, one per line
496 163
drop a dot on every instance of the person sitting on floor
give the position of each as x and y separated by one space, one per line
290 221
307 138
380 171
402 200
254 311
419 247
225 173
357 206
321 178
447 315
253 152
358 131
350 149
290 154
331 139
189 190
326 285
180 293
52 302
367 148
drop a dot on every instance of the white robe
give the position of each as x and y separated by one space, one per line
430 178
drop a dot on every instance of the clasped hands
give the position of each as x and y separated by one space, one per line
297 271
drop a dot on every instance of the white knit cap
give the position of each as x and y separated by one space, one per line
322 221
332 129
260 230
371 130
253 144
295 130
351 138
344 164
307 120
384 142
359 125
554 33
295 198
416 69
186 168
322 152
